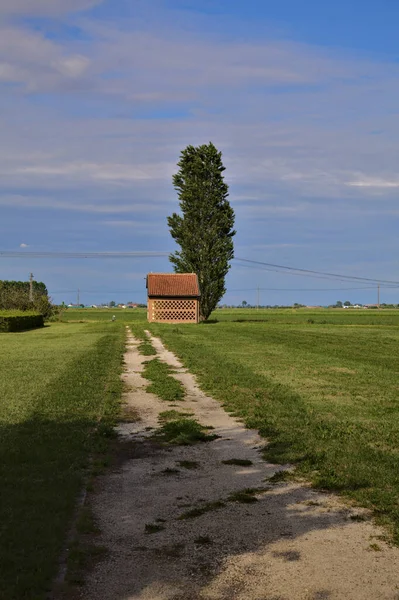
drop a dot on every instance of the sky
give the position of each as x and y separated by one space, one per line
99 97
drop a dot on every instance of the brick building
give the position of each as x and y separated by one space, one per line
173 298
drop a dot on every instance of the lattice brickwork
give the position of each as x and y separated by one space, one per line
174 310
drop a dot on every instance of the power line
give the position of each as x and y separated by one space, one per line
135 254
153 254
373 287
309 272
140 291
292 272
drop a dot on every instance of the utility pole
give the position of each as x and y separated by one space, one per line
78 302
378 297
257 300
31 287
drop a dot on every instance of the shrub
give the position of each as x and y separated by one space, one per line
11 322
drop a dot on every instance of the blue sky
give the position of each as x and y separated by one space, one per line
98 98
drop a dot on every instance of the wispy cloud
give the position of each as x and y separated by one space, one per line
374 182
47 8
279 110
137 224
101 206
37 63
105 172
95 110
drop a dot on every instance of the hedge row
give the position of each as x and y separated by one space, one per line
20 322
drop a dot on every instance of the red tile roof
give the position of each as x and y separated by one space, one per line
173 284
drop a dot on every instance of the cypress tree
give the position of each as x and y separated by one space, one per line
204 229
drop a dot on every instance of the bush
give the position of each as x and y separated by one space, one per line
43 306
15 295
11 322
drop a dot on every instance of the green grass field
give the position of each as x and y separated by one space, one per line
287 316
59 392
324 393
304 315
321 386
124 315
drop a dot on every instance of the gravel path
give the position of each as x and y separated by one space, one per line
293 543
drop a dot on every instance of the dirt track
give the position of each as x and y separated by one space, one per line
293 543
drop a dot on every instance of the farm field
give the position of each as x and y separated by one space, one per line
321 386
288 315
329 316
324 395
126 315
59 392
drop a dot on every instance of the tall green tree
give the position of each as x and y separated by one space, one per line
204 229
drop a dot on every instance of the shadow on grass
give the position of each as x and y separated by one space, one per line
42 468
46 446
250 320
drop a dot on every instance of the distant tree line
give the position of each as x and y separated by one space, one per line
348 304
15 295
338 304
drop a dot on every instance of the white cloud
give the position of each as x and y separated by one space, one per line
261 210
24 246
272 246
137 224
374 182
74 66
302 144
106 172
55 203
50 8
28 58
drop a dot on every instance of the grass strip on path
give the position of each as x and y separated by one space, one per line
183 431
172 415
59 396
324 396
145 347
138 330
162 383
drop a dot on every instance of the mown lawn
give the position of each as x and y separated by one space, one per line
124 315
287 315
324 395
320 316
59 392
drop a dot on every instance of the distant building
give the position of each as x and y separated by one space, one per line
173 298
